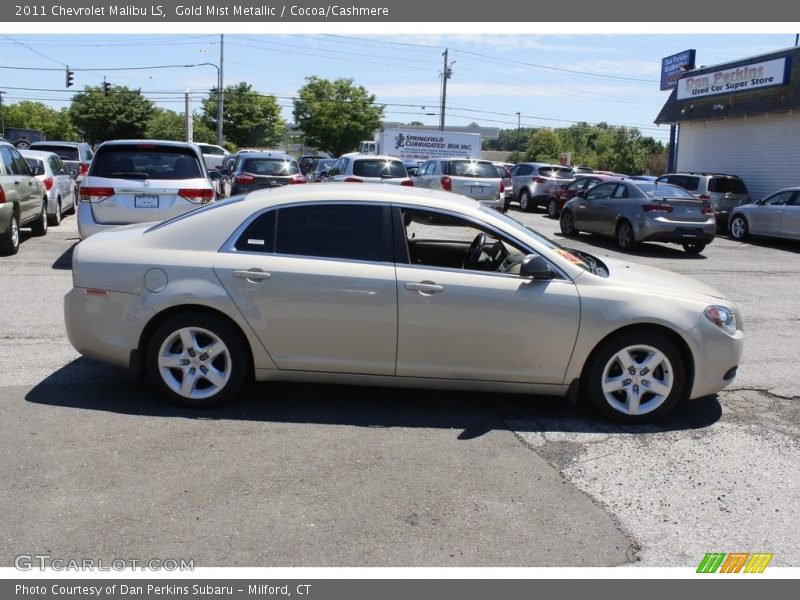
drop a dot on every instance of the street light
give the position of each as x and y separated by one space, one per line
219 97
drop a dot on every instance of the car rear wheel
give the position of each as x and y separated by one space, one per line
552 209
738 228
625 239
636 377
567 223
198 360
525 200
56 218
39 226
9 242
694 247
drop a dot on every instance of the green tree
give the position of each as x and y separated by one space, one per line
336 115
26 114
170 125
249 118
544 146
123 114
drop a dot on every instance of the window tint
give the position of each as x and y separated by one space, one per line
523 169
65 152
468 168
18 165
146 161
621 191
727 185
270 166
600 191
33 163
379 168
56 165
336 231
779 198
259 235
556 172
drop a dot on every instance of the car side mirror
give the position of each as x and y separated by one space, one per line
535 267
214 175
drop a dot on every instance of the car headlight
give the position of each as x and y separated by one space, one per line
722 317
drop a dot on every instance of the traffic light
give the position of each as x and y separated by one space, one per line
106 88
70 76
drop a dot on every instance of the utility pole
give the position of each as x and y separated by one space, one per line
2 116
446 73
189 121
518 118
220 100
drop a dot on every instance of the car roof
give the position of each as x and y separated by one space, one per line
58 143
373 157
172 143
37 153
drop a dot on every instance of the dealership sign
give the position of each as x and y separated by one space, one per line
672 67
754 76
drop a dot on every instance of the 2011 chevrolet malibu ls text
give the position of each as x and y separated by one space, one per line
385 285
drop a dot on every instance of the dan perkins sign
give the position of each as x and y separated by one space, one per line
740 79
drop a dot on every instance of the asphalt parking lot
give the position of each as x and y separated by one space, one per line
302 475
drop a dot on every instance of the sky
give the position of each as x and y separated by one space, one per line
551 79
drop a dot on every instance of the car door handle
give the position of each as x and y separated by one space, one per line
252 275
425 287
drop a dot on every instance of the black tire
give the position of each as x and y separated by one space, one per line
9 241
231 367
694 247
39 226
506 204
567 223
525 200
552 209
55 220
738 228
668 375
22 145
624 236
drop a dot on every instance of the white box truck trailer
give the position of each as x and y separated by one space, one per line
420 145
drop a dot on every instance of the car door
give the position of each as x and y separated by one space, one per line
317 284
520 175
790 224
23 183
62 180
766 216
457 323
593 211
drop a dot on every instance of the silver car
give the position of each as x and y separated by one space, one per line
385 285
61 188
534 183
476 179
369 168
777 215
135 181
639 211
725 192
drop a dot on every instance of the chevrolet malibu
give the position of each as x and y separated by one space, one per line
386 285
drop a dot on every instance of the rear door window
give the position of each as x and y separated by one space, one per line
727 185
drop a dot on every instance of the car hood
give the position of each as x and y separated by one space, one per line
663 282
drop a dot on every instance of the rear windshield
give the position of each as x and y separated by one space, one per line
467 168
145 161
206 149
727 185
64 152
270 166
33 163
663 190
379 168
556 172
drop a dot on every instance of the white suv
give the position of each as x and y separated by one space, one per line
534 183
136 181
369 168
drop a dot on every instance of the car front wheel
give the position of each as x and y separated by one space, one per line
738 227
636 377
567 223
198 360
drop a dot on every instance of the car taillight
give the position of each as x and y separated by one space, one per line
83 168
707 210
447 183
407 183
2 196
95 194
353 180
502 187
657 208
704 197
48 183
197 196
244 179
297 179
538 179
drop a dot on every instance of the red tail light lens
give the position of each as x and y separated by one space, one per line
502 187
244 179
538 179
95 194
48 183
447 183
83 168
407 183
353 180
197 196
2 196
707 210
297 179
704 197
665 208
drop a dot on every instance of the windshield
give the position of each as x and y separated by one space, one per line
468 168
379 168
664 190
